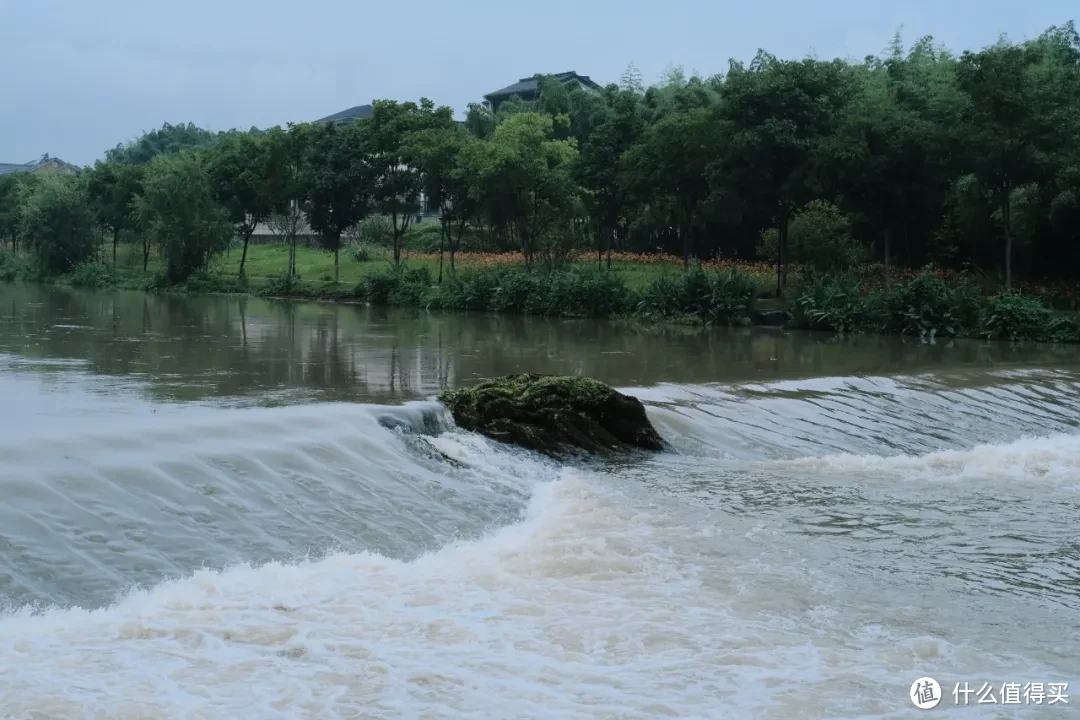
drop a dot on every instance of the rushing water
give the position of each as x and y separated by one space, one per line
227 508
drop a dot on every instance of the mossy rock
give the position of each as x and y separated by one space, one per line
554 415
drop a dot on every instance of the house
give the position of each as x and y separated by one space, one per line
527 88
360 112
45 164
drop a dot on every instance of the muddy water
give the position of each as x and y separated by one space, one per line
228 508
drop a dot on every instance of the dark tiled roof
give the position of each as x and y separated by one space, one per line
355 113
529 85
33 165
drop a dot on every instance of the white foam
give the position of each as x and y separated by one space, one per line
1034 459
570 613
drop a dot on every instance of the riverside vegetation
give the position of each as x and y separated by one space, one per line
917 192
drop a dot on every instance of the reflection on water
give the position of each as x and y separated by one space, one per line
177 348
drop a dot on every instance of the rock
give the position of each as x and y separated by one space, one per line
554 414
771 318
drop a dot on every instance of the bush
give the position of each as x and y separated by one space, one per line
374 231
400 286
283 284
58 224
92 274
722 298
361 252
835 303
423 237
206 282
929 306
819 235
1016 317
12 267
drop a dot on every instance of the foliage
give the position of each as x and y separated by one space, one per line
12 267
423 238
336 181
91 274
820 236
58 224
375 231
1017 317
164 141
248 182
929 307
724 298
178 210
834 302
112 188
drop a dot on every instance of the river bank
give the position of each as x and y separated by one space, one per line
927 304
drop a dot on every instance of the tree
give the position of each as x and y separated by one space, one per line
437 153
1010 125
778 113
672 159
528 176
247 182
112 188
10 208
337 181
614 128
287 152
397 180
58 223
164 141
177 209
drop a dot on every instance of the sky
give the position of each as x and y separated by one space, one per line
81 76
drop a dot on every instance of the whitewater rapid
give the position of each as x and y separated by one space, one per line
785 560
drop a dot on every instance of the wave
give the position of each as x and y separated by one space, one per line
570 612
1054 458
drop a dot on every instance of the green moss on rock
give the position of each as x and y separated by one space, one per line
552 414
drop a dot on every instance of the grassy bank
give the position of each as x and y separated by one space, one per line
925 304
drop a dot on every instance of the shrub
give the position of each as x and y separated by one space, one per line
929 306
374 231
92 274
1017 317
207 282
834 302
361 252
724 298
820 235
423 237
12 267
283 284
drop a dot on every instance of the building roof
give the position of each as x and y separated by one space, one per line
359 112
530 84
34 165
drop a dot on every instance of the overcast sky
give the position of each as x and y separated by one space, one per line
79 76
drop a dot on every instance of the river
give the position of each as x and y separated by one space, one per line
220 507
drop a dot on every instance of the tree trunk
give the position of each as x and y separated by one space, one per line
442 242
145 254
115 242
685 237
243 255
609 243
1008 241
337 263
888 276
781 241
